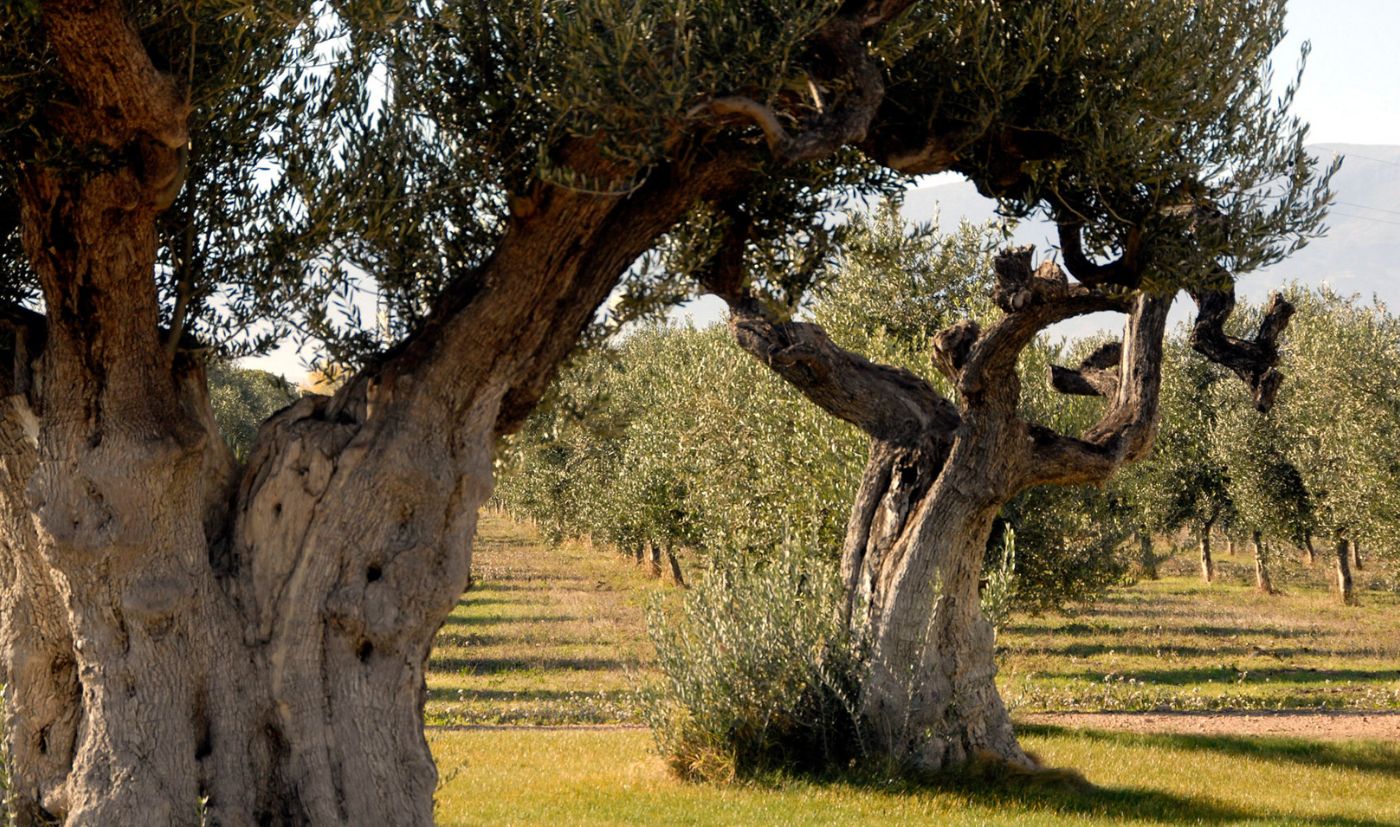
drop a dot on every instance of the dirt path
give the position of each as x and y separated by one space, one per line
1346 726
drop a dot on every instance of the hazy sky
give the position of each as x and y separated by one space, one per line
1350 93
1351 90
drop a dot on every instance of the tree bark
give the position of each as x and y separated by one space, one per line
1356 555
1207 564
178 630
1147 558
1308 545
936 477
1262 581
1344 584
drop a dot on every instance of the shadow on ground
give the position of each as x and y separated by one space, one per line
1376 757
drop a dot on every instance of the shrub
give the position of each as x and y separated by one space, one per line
999 594
758 671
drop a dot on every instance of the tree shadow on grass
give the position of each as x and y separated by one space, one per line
554 696
1085 650
493 666
474 620
1229 674
1056 792
1374 757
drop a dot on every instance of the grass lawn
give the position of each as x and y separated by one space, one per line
1180 644
557 636
546 635
581 777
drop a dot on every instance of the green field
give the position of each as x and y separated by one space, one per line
522 776
556 636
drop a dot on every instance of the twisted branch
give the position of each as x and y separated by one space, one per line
1252 360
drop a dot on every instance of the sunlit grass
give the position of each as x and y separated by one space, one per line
522 776
546 635
1179 644
556 636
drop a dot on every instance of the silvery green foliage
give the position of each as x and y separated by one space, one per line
1182 483
352 158
999 595
242 399
676 437
757 669
233 230
1338 417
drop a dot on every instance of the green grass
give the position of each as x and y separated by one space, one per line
523 776
556 636
1179 644
544 636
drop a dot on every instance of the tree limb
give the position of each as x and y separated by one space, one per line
1124 433
1032 298
842 41
1122 272
1097 374
888 403
121 92
1252 360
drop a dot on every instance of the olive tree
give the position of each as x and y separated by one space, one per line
1150 135
1340 423
181 626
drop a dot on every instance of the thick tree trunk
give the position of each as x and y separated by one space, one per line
42 694
912 561
1262 581
1356 555
1344 584
1147 558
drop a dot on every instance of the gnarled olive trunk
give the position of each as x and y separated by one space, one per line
1344 582
183 639
937 476
1262 581
911 565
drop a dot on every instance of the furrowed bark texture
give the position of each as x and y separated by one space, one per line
937 475
185 640
259 641
1345 589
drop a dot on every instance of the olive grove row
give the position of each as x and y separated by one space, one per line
672 437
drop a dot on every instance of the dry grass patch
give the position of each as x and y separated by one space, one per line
1179 644
546 635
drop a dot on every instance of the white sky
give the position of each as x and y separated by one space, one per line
1350 92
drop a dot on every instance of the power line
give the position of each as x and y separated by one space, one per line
1366 218
1369 158
1365 207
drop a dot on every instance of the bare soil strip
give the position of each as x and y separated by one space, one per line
1321 725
